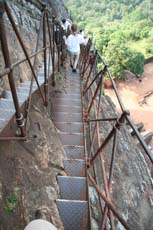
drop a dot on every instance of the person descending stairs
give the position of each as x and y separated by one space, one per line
67 117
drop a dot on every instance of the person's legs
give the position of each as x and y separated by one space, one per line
76 58
71 59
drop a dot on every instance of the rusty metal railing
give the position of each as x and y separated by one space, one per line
46 36
93 78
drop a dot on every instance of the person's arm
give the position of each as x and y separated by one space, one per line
65 41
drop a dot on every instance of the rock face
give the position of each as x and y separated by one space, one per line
28 172
27 15
131 188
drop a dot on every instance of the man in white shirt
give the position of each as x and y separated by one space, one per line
66 25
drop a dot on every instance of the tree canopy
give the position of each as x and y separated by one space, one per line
122 30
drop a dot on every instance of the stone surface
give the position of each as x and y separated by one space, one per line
30 168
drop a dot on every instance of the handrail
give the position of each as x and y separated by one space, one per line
92 79
113 83
48 49
6 71
147 150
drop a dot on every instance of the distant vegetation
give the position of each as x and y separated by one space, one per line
122 30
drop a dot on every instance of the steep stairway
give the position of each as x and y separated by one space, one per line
67 117
7 109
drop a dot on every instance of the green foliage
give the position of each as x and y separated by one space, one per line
121 58
121 29
11 203
58 76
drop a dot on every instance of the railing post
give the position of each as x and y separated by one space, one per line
53 54
45 59
118 125
91 68
23 46
5 51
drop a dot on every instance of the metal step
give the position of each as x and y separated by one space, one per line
74 214
67 117
6 115
75 167
72 83
71 139
21 96
69 127
26 89
65 108
72 188
63 101
27 83
7 104
74 152
67 96
2 123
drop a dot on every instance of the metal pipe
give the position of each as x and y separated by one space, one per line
8 70
34 65
91 68
53 55
145 147
5 51
109 180
101 119
23 46
45 61
95 94
118 126
101 156
109 203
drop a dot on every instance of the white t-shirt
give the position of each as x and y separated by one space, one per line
73 42
40 224
66 26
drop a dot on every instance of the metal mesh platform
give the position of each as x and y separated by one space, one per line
69 127
71 139
74 167
74 152
74 214
66 117
63 101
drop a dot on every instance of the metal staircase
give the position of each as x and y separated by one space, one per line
7 109
67 116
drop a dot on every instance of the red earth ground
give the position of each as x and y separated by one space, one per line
132 91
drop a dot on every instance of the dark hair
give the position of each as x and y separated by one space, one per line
64 20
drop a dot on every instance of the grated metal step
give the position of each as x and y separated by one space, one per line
6 115
67 117
71 139
26 90
72 188
66 108
21 96
64 101
75 167
6 104
74 214
2 123
67 96
74 152
69 127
